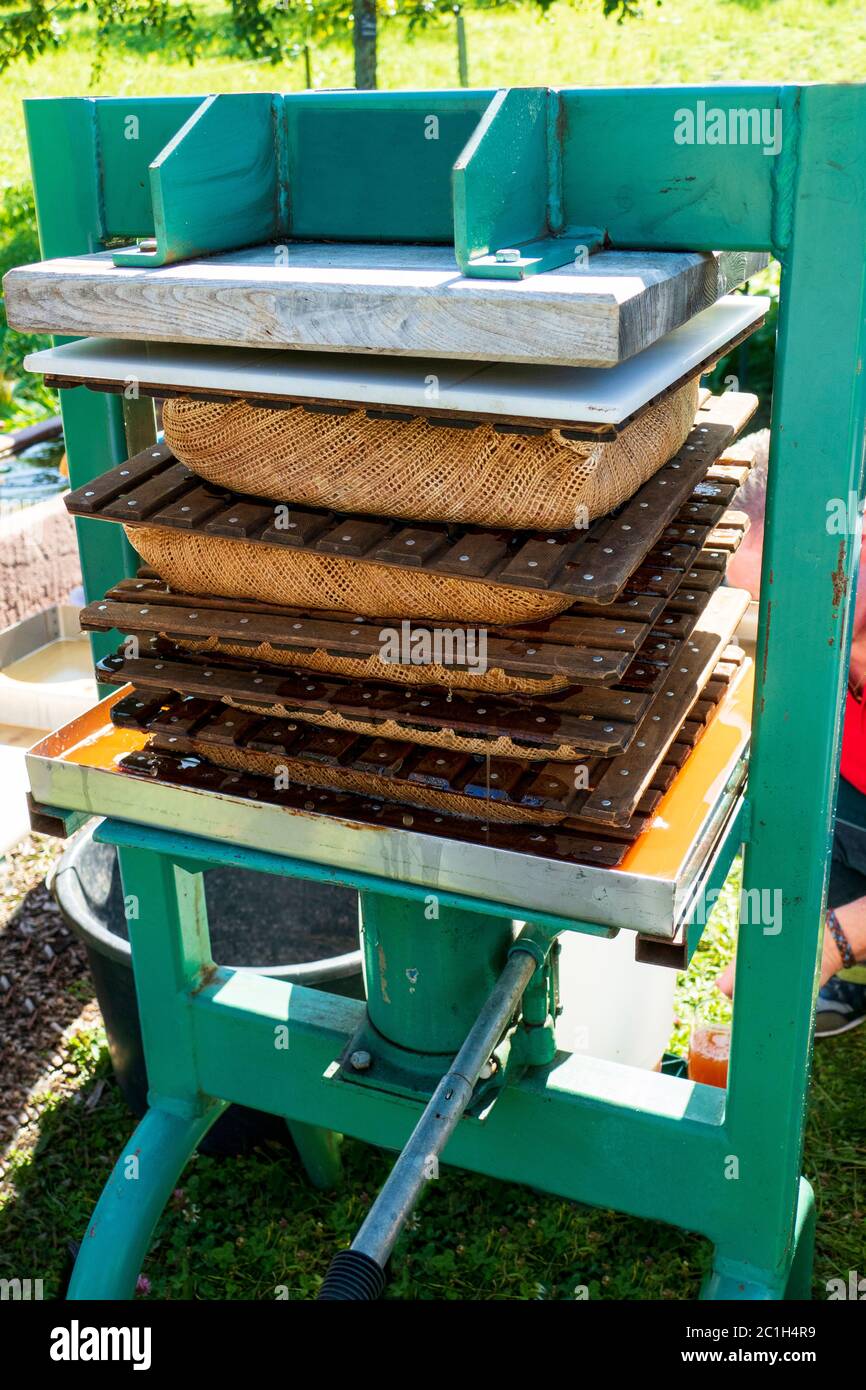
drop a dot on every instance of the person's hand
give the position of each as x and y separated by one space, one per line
851 918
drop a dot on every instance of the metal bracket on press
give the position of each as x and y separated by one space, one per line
508 205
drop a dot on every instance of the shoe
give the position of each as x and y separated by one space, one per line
841 1006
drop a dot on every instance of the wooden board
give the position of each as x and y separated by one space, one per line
595 564
589 402
403 300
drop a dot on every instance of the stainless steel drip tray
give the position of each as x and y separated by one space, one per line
76 769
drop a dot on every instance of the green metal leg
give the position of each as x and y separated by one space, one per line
799 1284
729 1281
132 1200
319 1152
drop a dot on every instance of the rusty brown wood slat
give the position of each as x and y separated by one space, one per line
181 716
296 528
142 502
657 579
539 560
384 756
716 489
493 778
228 728
136 710
412 545
438 768
95 495
474 556
677 556
631 605
192 508
240 520
331 747
354 536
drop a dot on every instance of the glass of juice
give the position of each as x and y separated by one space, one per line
709 1050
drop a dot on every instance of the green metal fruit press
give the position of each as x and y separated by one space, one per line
403 518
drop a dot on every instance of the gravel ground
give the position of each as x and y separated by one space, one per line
46 997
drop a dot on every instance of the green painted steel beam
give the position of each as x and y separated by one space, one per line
218 183
66 160
592 1131
538 171
809 574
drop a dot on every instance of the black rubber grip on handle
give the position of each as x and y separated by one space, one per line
353 1277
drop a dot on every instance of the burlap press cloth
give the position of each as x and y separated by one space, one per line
414 469
200 564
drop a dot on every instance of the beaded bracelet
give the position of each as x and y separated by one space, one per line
835 928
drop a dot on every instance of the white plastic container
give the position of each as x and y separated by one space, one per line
614 1007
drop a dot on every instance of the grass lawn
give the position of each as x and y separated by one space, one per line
245 1228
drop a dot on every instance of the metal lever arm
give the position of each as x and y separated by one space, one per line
392 1208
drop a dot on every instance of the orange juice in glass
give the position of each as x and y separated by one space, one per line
709 1050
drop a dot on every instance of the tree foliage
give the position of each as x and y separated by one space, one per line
269 30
